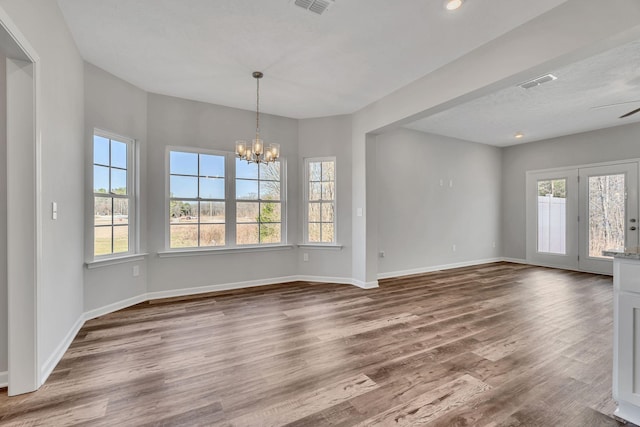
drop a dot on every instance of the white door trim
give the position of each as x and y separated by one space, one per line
23 190
570 258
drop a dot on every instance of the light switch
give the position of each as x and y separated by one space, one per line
54 210
359 212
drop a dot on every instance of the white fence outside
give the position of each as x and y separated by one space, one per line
552 224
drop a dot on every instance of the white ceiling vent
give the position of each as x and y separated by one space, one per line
538 81
315 6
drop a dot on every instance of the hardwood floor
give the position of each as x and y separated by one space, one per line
493 345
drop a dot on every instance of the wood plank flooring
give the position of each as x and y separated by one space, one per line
494 345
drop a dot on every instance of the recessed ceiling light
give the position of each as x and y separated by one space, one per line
453 4
519 135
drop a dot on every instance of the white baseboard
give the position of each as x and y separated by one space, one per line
52 361
110 308
339 280
365 285
433 268
4 379
216 288
516 260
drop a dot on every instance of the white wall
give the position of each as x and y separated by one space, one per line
617 143
116 106
328 137
3 214
419 220
575 29
62 125
179 122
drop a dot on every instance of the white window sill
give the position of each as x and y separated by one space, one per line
115 260
240 249
328 246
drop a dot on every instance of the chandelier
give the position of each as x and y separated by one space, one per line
256 153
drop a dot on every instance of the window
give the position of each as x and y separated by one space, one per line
112 195
552 216
320 200
216 199
196 199
258 203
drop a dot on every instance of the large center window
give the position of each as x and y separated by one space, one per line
218 200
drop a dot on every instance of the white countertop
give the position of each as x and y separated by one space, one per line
628 253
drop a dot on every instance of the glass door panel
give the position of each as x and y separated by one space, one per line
552 216
608 210
607 207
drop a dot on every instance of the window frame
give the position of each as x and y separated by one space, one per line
229 201
132 198
306 201
259 201
197 199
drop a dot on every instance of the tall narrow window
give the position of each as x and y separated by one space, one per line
112 194
196 199
552 216
320 203
258 203
607 217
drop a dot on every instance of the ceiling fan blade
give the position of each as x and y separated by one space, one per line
630 113
615 104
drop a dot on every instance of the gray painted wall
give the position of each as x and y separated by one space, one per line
179 122
3 214
62 125
617 143
577 28
113 105
418 219
328 137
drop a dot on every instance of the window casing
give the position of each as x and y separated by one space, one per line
113 195
258 203
196 199
320 201
216 200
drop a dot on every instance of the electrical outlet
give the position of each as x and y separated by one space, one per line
305 257
136 270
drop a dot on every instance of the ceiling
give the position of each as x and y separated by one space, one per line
354 54
351 56
561 107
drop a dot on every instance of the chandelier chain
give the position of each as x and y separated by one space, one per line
257 108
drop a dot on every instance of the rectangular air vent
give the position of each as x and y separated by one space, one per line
315 6
538 81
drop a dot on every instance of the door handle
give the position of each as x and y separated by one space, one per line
632 220
633 228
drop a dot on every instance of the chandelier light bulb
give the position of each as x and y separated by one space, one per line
453 4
